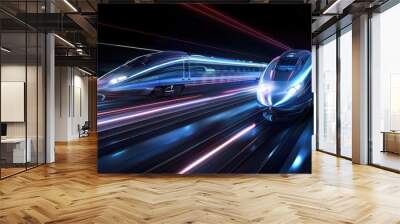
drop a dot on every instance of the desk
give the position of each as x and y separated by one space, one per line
15 148
391 141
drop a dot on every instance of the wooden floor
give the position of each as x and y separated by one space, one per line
70 191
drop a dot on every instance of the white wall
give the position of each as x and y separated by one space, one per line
33 127
71 102
62 82
12 73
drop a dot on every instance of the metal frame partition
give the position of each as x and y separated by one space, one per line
339 120
339 32
29 30
318 87
382 8
338 98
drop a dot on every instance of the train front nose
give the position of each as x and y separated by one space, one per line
271 94
263 94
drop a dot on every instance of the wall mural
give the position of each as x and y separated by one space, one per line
198 88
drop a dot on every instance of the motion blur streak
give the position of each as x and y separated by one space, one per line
174 39
145 105
122 118
214 151
130 47
250 89
229 21
209 60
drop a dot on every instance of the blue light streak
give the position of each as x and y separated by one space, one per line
300 79
297 162
192 59
118 153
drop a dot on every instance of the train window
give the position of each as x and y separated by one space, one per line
288 61
136 62
155 58
287 64
197 69
281 76
162 75
172 73
200 70
173 68
285 68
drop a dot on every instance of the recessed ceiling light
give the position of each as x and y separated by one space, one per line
64 40
5 50
70 5
84 71
337 7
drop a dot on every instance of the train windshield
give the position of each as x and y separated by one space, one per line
155 58
284 68
136 62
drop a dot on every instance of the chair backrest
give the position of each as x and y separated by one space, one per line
86 125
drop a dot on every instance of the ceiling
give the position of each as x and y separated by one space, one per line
74 21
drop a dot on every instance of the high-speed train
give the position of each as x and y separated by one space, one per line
169 73
285 85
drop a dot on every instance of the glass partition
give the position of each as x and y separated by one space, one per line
346 93
22 77
327 96
14 145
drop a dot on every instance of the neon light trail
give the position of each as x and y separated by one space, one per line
204 89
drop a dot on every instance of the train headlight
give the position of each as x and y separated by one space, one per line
294 90
263 92
117 80
261 98
265 88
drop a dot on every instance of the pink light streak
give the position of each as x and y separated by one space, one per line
219 148
231 22
251 88
161 109
145 105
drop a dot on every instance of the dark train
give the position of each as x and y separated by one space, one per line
171 73
285 85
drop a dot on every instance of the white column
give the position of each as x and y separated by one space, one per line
50 92
360 90
314 90
63 101
50 99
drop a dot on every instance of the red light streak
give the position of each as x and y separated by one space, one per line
231 22
173 39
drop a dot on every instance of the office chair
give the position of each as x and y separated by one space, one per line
84 130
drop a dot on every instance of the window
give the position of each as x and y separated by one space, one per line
346 93
385 89
327 96
23 76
